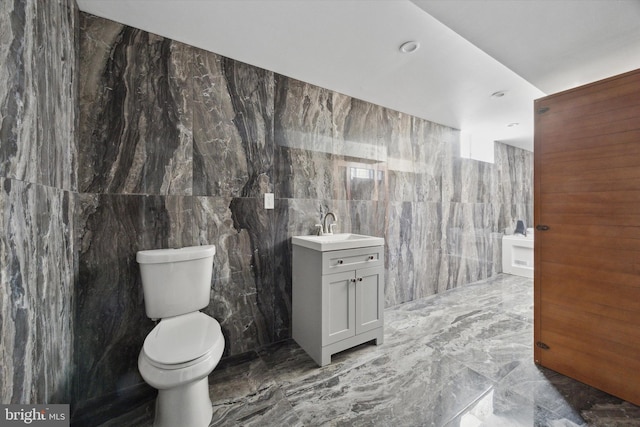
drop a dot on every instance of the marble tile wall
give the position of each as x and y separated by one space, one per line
177 147
37 199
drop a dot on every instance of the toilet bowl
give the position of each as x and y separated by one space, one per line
186 345
177 357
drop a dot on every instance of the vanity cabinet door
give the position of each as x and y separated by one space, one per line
338 307
353 303
369 299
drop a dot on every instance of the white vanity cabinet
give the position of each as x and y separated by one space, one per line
338 299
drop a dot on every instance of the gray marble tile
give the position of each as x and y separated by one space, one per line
270 407
244 393
233 127
220 163
476 181
57 268
18 105
303 133
304 117
249 216
399 257
430 144
493 348
53 63
513 165
470 243
19 249
612 414
135 135
238 283
38 91
496 409
305 174
401 165
361 130
252 95
38 265
562 395
416 394
427 245
401 184
431 266
449 311
362 133
235 289
140 417
362 216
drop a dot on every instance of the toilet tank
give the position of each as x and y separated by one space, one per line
176 281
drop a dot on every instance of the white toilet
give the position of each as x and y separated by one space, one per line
186 345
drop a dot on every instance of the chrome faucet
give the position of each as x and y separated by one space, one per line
325 229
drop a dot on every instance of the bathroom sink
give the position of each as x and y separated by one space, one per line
334 242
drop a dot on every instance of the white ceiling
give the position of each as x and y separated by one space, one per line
469 49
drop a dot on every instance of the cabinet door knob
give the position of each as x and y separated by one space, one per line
371 257
340 262
352 280
359 279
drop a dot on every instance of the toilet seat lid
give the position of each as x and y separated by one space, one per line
182 338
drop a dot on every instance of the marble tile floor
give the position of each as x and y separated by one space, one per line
462 358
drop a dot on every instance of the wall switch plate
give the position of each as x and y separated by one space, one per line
268 201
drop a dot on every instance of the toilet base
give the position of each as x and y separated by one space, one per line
187 405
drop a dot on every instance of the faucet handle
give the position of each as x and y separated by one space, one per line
331 227
318 229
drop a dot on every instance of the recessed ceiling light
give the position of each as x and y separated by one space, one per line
499 94
512 125
409 47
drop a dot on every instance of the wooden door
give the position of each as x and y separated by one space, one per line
587 263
